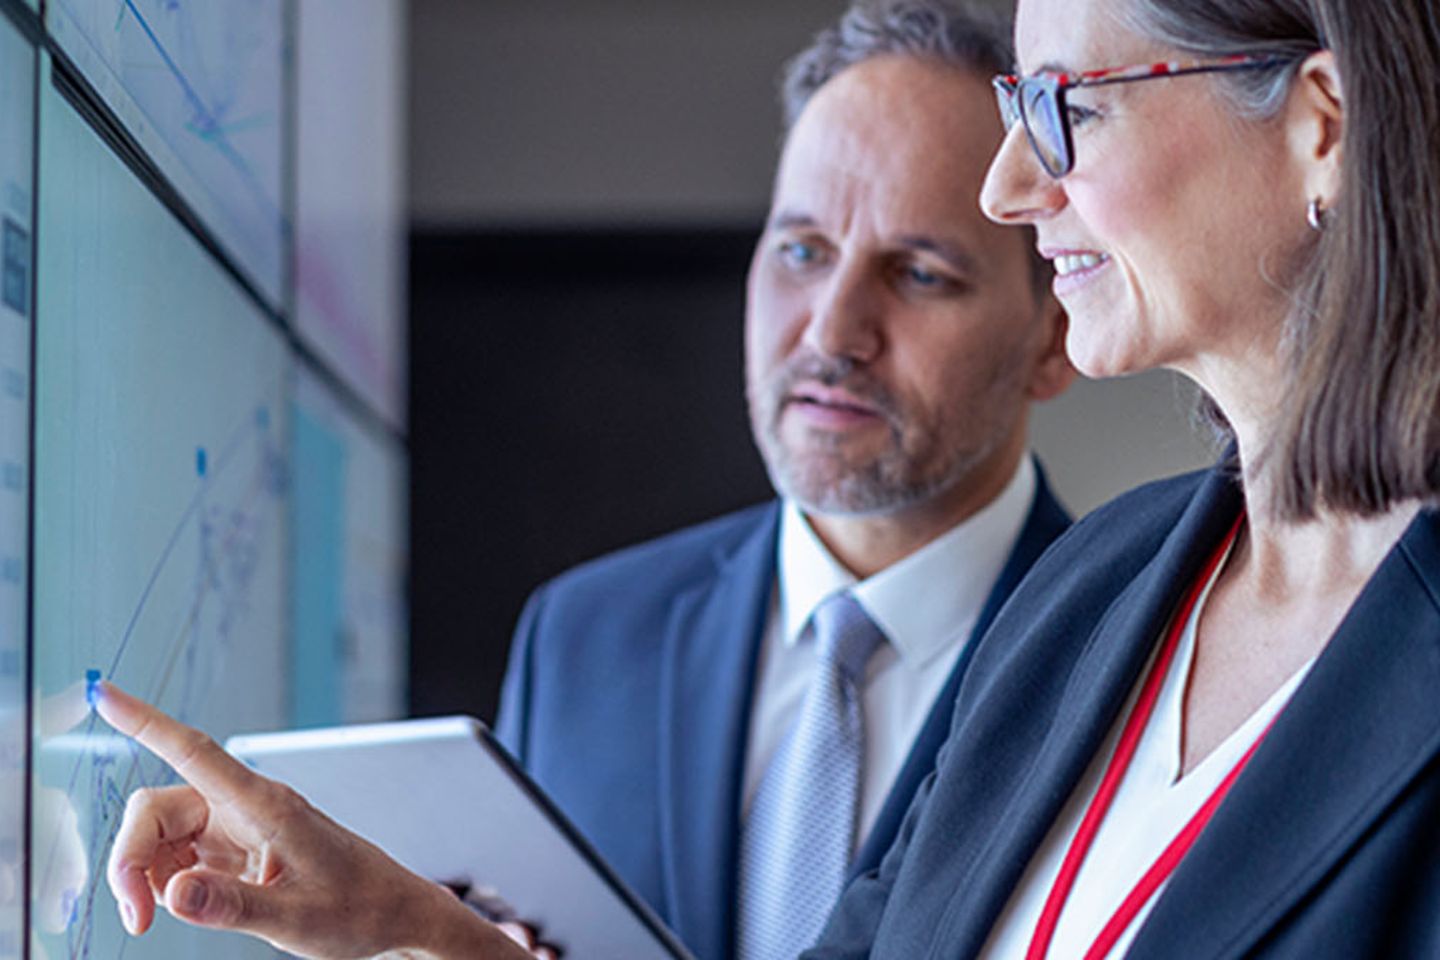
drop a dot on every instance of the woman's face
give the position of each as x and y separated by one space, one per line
1163 233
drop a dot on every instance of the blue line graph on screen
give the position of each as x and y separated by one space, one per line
200 85
216 544
210 120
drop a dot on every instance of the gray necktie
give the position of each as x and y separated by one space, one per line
796 841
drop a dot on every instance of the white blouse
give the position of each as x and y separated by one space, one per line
1152 805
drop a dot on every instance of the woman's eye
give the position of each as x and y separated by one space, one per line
1079 116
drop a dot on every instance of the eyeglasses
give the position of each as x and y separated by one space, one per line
1038 100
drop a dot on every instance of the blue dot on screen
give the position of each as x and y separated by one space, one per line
200 461
92 683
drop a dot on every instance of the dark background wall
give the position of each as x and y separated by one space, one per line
573 392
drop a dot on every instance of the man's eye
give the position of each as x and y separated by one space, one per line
799 253
917 278
921 277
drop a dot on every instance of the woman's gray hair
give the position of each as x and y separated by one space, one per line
1358 430
1264 28
972 34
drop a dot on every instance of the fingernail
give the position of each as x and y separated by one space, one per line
192 897
127 917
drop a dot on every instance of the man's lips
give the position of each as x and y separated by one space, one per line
831 406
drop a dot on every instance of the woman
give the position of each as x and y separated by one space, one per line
1207 725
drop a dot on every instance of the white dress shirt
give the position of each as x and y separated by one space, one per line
1151 807
926 604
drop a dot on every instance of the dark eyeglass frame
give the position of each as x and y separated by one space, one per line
1047 90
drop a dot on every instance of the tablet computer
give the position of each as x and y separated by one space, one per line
443 798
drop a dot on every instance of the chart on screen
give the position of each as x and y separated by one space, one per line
160 518
203 471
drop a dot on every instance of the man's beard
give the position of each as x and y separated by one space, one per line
822 477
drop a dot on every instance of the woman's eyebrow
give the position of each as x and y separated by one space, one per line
1050 66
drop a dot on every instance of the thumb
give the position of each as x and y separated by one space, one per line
209 899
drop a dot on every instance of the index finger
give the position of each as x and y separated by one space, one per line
193 755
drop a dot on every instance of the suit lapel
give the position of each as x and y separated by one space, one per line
1046 521
708 666
1104 674
1357 731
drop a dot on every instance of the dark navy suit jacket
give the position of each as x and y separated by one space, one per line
628 700
1328 846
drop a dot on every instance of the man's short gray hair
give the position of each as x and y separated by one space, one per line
972 34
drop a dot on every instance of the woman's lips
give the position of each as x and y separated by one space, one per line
1075 268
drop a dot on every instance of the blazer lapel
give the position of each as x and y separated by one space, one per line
1098 687
1046 521
1356 733
710 646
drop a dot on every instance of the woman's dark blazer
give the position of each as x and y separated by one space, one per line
1329 843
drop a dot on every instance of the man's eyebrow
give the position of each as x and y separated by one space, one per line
957 257
790 220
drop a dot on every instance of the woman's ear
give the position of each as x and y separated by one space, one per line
1316 125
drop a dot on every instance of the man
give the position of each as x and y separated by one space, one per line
894 341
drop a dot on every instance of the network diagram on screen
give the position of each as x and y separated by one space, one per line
202 460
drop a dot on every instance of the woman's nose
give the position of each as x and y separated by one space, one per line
1017 190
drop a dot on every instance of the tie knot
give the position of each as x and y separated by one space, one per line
846 635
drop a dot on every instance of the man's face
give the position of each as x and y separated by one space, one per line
893 336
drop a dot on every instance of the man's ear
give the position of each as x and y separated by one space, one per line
1315 123
1051 372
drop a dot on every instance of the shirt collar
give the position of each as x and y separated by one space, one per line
925 602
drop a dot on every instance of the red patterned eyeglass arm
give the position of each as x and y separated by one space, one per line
1170 68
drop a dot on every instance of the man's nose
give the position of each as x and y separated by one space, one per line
847 317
